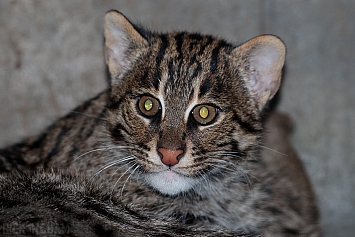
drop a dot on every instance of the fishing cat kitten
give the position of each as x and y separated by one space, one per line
178 137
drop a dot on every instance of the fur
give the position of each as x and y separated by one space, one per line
235 174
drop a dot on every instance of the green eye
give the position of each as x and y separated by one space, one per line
204 114
148 105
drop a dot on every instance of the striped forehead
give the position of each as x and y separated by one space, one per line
184 62
184 57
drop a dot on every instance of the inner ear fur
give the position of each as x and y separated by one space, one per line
123 44
263 59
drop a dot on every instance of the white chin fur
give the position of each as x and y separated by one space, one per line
169 182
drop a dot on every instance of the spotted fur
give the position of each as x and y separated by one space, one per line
228 177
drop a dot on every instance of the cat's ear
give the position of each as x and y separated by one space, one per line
123 44
263 59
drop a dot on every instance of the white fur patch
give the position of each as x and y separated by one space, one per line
170 182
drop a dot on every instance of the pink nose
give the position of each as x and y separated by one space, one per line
170 157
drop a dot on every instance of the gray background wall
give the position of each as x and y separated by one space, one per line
51 59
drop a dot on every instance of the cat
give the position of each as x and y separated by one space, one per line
180 144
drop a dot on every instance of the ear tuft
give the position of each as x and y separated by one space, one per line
122 44
265 57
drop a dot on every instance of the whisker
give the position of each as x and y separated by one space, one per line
270 149
202 174
223 167
113 188
105 148
88 115
236 168
224 161
225 152
115 162
124 184
219 154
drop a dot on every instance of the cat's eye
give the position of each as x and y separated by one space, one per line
204 114
148 105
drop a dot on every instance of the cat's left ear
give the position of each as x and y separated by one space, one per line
123 44
263 58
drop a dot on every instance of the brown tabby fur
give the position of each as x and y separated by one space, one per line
235 177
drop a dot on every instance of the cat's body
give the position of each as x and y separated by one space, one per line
179 137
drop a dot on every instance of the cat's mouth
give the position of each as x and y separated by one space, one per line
170 182
170 176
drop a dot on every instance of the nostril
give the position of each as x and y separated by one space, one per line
180 154
160 154
170 157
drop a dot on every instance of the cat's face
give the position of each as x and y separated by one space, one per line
184 103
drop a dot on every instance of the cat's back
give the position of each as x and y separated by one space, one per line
285 180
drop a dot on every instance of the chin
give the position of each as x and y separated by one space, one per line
171 183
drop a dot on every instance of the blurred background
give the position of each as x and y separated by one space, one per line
51 60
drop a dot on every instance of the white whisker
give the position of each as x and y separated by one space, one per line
235 168
224 161
88 115
115 162
202 174
270 149
225 152
113 188
223 167
101 149
124 184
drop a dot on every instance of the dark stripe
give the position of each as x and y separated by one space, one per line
156 77
203 47
195 36
179 41
114 104
84 133
214 57
178 38
205 87
73 152
164 44
143 146
193 59
220 88
247 126
12 157
143 80
199 159
95 122
58 142
201 50
191 95
196 70
116 132
126 121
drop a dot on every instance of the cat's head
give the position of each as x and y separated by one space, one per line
189 104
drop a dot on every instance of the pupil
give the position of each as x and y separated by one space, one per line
203 112
148 104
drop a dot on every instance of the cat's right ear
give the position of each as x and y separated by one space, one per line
123 44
